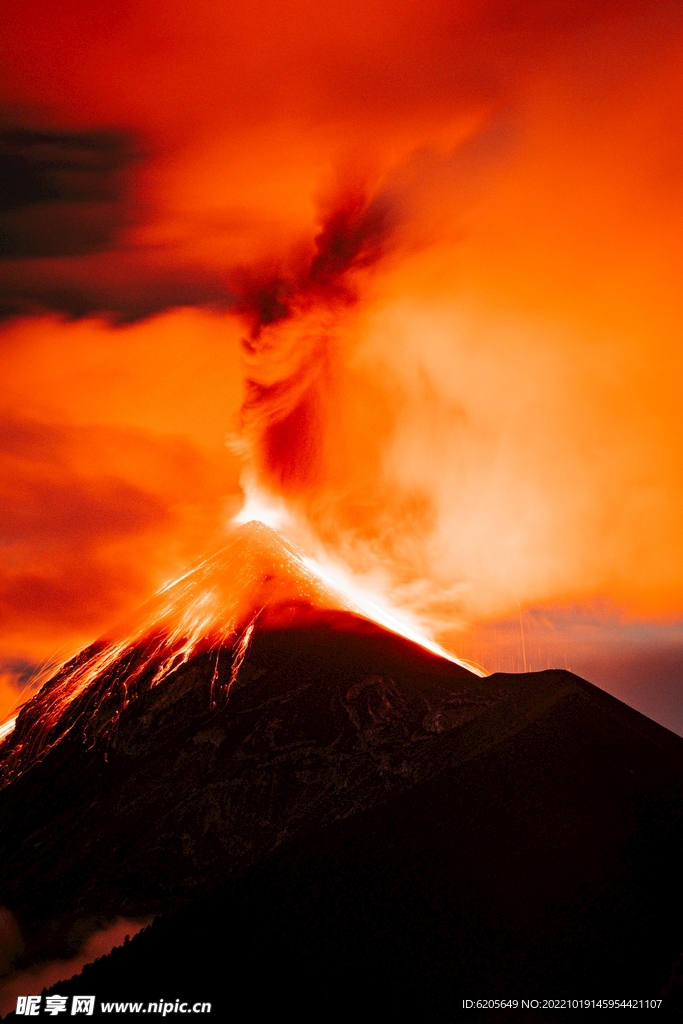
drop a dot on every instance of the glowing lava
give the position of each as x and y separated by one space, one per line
214 607
357 595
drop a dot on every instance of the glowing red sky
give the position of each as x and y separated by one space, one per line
491 421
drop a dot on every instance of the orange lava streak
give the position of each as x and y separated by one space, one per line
213 607
204 609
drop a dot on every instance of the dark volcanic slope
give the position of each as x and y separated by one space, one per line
546 865
359 820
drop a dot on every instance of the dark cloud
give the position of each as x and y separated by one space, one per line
354 234
52 166
124 285
65 199
62 193
282 416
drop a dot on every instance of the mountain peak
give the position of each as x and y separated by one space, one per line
256 572
213 606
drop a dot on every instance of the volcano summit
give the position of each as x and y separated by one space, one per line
250 759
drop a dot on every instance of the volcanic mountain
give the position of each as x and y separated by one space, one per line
293 791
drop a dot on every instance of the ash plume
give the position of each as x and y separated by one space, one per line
292 327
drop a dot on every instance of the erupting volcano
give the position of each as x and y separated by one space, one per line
339 357
249 646
248 750
212 609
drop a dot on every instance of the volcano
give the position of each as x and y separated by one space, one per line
295 793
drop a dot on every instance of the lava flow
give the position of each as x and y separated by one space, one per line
258 577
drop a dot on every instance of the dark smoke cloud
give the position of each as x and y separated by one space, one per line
66 199
353 235
284 410
292 316
62 193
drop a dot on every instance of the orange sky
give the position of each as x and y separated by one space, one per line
476 408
